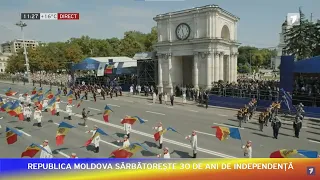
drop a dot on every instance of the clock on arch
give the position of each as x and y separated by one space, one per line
183 31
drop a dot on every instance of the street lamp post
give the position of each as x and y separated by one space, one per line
22 25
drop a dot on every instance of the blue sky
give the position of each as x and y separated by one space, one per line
260 22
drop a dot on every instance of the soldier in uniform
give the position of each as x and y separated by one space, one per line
245 111
94 96
160 98
85 116
172 99
268 115
240 116
86 93
103 94
276 125
297 125
262 118
158 129
125 141
96 140
193 138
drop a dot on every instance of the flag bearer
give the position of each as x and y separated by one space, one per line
193 138
47 153
73 155
166 154
127 129
158 129
69 110
247 149
96 140
27 112
125 141
37 115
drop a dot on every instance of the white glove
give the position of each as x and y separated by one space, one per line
159 155
118 141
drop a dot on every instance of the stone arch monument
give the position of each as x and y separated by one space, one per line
196 47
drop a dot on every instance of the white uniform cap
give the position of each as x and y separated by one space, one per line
47 141
249 142
194 131
73 154
20 94
166 148
95 126
125 136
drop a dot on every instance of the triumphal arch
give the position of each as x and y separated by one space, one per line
196 47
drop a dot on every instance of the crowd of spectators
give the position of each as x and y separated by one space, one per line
306 89
248 88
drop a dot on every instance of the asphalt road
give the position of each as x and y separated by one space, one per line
183 118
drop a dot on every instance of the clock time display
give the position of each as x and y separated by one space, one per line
183 31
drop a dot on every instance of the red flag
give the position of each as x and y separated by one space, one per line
60 139
106 118
21 117
88 142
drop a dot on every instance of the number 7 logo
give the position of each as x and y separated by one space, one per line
311 171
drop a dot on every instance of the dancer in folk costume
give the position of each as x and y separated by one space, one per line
57 108
247 150
69 110
47 153
27 112
193 138
28 99
158 129
125 142
127 128
73 155
166 154
37 116
96 140
45 104
21 98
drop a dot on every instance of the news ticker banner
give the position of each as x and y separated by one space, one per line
50 16
72 169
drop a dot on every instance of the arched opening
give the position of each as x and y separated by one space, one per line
225 33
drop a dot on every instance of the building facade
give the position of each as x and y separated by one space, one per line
15 45
3 61
196 47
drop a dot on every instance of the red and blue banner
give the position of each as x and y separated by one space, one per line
160 169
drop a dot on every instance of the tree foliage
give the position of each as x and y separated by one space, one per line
303 41
56 56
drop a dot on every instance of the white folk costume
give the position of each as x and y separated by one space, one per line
125 142
184 98
193 138
27 112
69 110
96 140
127 129
166 154
28 99
158 129
165 98
47 153
45 104
131 89
21 98
74 156
58 108
154 97
247 150
37 115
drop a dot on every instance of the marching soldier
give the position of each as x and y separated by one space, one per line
110 92
297 125
245 111
268 116
103 94
127 128
262 118
96 140
86 94
240 116
276 125
166 154
69 110
94 96
84 116
207 100
194 142
73 155
250 110
120 90
125 142
46 153
159 128
27 112
37 115
247 149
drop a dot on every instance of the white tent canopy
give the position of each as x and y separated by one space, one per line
128 62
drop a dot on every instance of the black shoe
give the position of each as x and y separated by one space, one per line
97 150
39 125
194 155
160 146
69 117
58 113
